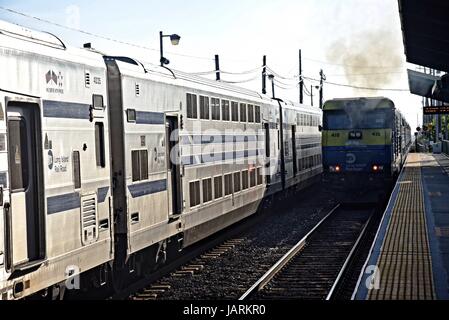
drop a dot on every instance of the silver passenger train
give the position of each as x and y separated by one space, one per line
107 166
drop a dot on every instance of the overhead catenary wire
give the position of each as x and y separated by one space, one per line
210 59
242 72
364 74
353 66
96 35
286 84
281 77
240 81
357 87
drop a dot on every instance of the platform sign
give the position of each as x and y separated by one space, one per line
436 110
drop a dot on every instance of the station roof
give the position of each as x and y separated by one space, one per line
425 26
421 83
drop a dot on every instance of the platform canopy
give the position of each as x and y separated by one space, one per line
425 29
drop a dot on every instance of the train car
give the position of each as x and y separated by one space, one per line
108 167
365 142
55 182
214 152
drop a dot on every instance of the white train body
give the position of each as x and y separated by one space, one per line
101 159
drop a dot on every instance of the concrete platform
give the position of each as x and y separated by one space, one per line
409 258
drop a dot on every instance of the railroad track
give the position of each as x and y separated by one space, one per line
216 260
313 268
193 258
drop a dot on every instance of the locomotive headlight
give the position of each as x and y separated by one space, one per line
377 168
335 168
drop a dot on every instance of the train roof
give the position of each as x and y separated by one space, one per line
147 71
42 43
16 37
361 102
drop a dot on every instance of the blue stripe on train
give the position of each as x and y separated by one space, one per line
70 201
59 109
63 202
218 139
101 194
357 158
145 188
147 117
220 156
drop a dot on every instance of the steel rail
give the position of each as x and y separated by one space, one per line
265 279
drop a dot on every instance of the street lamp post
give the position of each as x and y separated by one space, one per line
174 38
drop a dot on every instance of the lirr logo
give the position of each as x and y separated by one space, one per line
54 81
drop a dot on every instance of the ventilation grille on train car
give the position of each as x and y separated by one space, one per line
89 223
137 89
87 79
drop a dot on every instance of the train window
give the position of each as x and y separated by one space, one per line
204 108
252 178
192 108
237 185
235 111
225 110
131 115
259 176
139 163
99 144
135 165
244 179
257 113
242 112
194 192
218 187
228 184
143 164
97 102
19 165
76 169
250 113
215 108
207 190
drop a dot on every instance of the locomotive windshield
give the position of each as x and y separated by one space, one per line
341 119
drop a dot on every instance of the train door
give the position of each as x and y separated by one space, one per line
25 220
295 162
174 164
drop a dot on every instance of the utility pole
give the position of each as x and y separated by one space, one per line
264 75
301 83
217 67
322 79
311 95
271 77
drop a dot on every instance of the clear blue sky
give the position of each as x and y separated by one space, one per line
241 32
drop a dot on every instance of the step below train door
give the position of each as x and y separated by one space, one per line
173 165
25 223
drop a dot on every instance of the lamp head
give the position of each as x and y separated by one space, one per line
174 38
